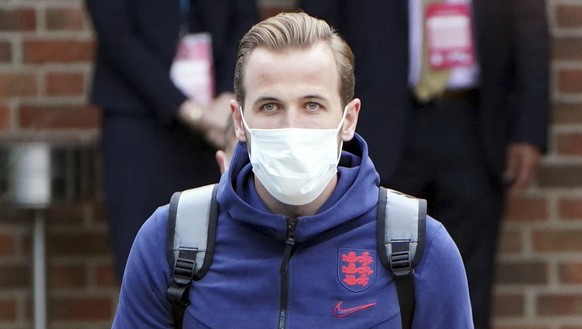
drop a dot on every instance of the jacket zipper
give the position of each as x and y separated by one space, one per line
289 247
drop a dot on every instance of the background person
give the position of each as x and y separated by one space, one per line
155 139
481 134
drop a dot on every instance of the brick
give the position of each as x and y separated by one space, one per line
105 277
4 117
58 117
569 144
557 240
567 113
526 208
70 18
522 273
6 244
99 215
570 273
19 19
58 51
5 52
11 216
508 305
65 215
569 16
563 304
67 276
560 176
15 84
570 80
567 48
65 84
7 309
87 244
510 241
15 276
570 208
80 309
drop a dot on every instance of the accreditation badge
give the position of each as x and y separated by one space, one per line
449 35
192 70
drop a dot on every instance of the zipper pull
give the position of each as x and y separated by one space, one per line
289 243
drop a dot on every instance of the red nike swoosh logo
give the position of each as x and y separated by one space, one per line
340 312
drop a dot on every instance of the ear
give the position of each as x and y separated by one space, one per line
237 120
351 120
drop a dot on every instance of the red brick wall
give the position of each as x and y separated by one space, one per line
45 58
46 49
539 279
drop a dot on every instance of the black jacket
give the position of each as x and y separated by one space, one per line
512 50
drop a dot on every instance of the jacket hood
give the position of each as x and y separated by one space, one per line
350 200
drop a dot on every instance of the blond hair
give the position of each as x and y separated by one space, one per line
295 31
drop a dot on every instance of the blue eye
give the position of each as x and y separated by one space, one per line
312 106
269 107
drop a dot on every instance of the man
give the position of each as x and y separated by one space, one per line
289 202
157 136
465 146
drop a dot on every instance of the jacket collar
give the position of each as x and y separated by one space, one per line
355 195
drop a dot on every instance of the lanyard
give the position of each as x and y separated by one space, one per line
185 8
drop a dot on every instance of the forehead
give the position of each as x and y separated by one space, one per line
313 68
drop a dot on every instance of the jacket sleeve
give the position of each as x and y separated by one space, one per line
441 289
132 58
142 301
144 68
530 48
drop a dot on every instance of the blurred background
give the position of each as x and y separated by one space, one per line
46 49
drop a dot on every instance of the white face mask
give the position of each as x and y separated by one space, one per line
294 164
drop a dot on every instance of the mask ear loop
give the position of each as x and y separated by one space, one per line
343 118
341 141
247 130
245 126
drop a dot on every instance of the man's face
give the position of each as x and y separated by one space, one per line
296 88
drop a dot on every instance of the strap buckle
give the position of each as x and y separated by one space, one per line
185 266
400 262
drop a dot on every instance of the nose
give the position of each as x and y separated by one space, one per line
291 119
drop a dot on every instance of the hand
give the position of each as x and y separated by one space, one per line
216 119
210 120
522 164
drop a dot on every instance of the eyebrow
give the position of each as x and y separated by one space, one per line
265 99
318 97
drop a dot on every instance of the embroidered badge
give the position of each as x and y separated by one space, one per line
340 312
356 268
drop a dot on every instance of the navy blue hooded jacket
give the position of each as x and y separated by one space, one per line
334 278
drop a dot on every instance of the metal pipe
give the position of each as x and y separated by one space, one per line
39 269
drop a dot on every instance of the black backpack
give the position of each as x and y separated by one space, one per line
192 233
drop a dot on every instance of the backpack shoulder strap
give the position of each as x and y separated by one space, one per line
401 232
190 242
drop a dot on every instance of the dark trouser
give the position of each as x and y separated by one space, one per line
443 163
143 164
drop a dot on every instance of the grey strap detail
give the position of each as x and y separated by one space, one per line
192 222
402 224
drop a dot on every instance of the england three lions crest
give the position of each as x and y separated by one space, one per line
356 268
